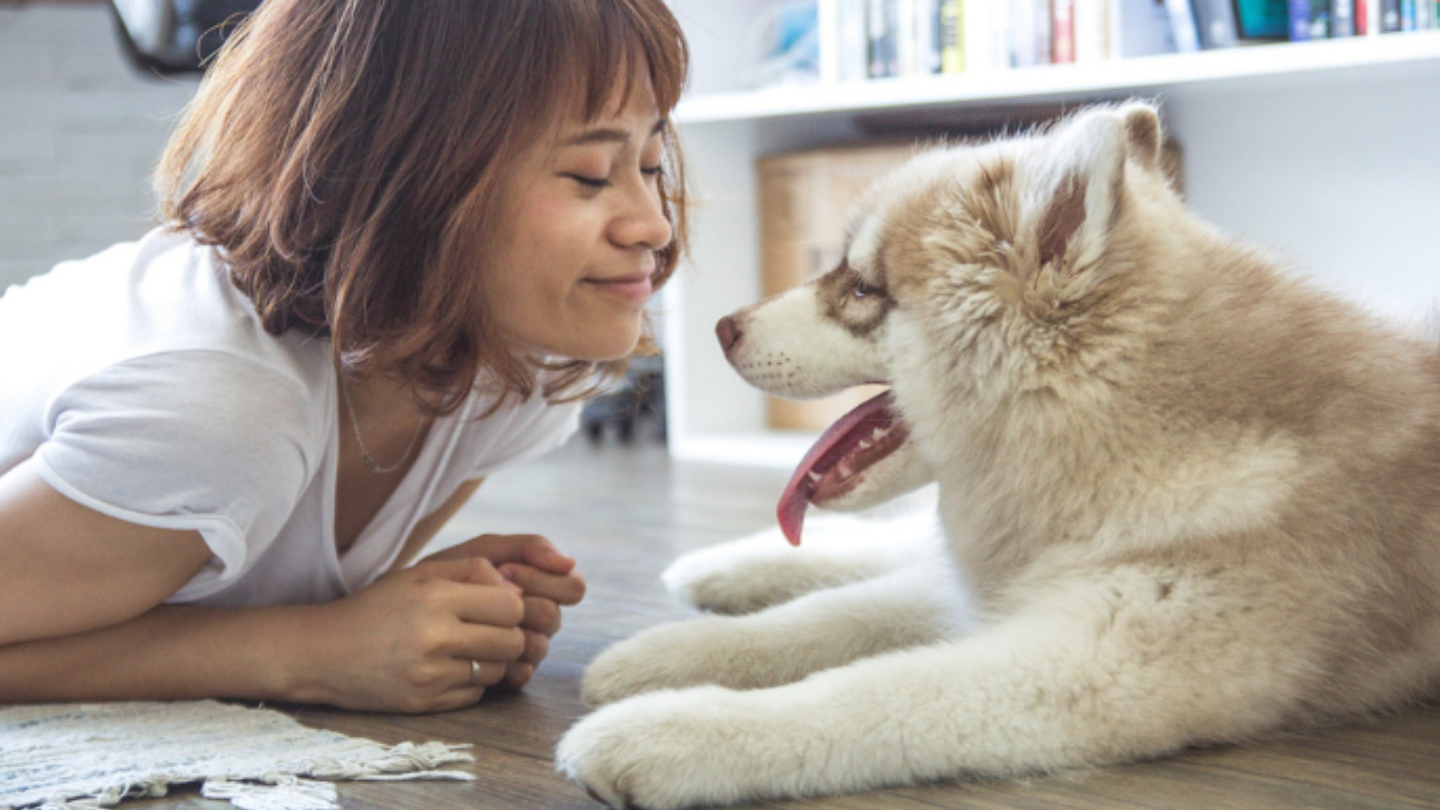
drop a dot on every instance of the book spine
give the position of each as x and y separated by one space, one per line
877 57
907 45
1300 20
1062 36
1362 18
1022 34
1088 23
1342 18
1407 15
1215 23
1044 27
1182 24
852 43
1424 15
1389 16
952 37
927 36
1319 19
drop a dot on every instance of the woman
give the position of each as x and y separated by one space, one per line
402 239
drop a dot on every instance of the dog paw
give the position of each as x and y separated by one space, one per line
655 751
761 571
671 656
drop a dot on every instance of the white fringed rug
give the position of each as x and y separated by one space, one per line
76 756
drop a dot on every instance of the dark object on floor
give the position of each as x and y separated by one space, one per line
171 37
636 403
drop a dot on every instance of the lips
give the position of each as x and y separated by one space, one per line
635 286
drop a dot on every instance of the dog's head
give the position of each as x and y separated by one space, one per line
972 273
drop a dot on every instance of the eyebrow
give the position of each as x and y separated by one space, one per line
610 135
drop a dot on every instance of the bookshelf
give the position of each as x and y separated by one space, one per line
1322 151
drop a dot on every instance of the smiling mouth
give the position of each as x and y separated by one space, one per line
632 287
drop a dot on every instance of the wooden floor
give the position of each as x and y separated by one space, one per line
625 513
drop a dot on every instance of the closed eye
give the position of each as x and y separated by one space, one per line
590 182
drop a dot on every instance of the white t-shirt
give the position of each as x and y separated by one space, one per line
141 384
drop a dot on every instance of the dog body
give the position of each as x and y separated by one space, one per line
1185 498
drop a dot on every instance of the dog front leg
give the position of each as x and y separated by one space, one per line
917 605
1091 684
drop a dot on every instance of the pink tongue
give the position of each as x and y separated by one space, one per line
827 452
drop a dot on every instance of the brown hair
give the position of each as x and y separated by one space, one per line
345 157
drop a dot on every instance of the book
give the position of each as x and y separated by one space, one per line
1062 42
952 37
927 37
1299 18
1215 23
1182 25
880 32
1091 32
1389 16
1140 28
1342 18
1262 19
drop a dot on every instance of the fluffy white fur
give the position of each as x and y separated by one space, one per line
1184 498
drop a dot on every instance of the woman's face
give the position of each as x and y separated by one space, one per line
568 271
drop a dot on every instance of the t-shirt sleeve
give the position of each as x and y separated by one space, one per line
199 441
530 430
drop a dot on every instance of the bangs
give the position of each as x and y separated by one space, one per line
609 45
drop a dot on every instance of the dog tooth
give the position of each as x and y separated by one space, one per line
815 476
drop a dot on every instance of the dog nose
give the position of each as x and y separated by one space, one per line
728 333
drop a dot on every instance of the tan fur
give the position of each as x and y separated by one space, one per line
1192 498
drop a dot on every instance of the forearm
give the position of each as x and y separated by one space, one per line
172 652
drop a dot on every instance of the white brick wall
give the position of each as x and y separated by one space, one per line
80 130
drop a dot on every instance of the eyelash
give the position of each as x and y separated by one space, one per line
599 183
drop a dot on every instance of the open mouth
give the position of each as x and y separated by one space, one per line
838 461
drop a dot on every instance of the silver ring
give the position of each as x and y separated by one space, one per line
474 672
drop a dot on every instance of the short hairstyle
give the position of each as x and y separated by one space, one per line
345 158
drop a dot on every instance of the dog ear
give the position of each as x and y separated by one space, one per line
1142 133
1077 184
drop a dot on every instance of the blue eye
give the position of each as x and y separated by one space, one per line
862 290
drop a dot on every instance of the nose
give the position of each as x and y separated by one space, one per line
644 224
729 333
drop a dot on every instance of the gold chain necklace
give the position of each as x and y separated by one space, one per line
370 463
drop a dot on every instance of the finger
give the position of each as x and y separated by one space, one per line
541 616
537 646
476 674
564 589
495 645
472 569
516 676
530 549
454 699
485 604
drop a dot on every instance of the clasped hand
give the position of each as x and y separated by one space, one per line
411 635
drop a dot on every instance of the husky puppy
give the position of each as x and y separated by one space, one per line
1185 498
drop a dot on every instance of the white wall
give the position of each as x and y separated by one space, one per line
80 131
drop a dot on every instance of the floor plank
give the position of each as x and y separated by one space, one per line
625 513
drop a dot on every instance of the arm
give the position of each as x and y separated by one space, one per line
81 619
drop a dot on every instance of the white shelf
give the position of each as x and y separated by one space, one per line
1061 81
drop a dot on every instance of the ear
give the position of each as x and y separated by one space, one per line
1076 185
1142 133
